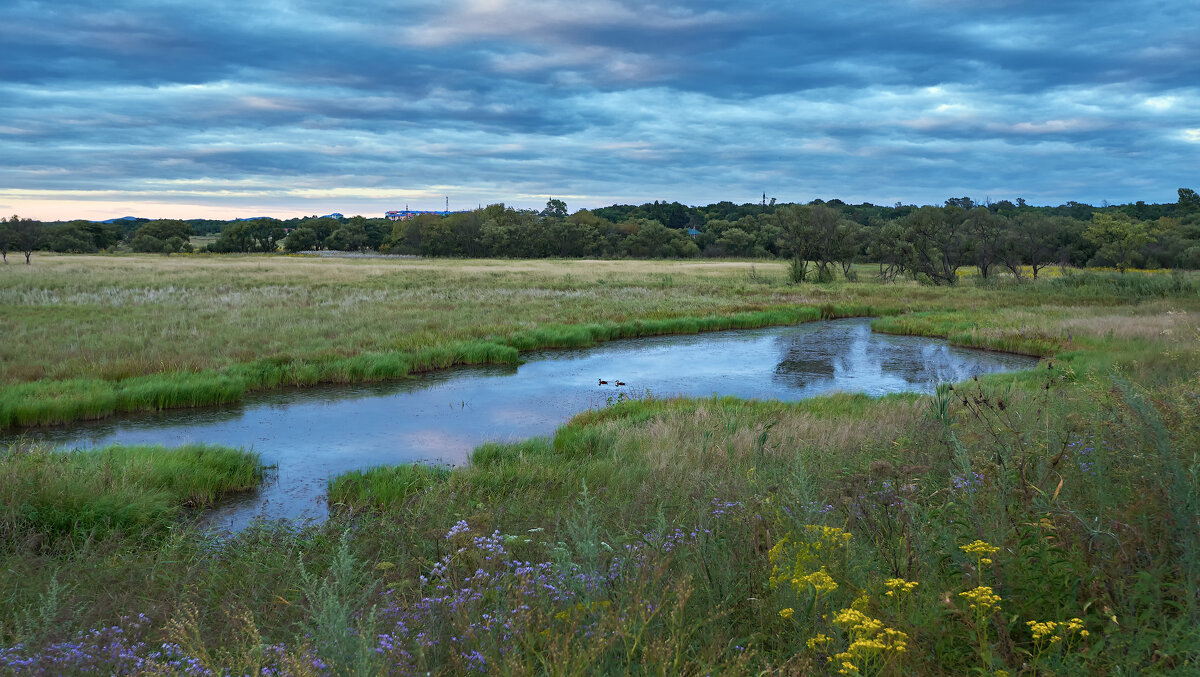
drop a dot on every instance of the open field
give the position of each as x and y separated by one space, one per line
1044 522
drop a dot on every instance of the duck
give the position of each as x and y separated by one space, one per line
620 383
602 382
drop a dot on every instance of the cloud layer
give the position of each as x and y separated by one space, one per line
231 108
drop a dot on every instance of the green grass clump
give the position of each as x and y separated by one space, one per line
1125 285
43 402
383 486
127 489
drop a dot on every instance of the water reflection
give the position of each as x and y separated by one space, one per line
316 433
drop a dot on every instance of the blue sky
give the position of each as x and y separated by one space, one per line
223 109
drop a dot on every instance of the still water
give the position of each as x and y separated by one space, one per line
316 433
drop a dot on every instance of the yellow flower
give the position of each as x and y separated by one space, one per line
1041 630
980 549
821 581
982 599
899 585
820 640
786 613
857 622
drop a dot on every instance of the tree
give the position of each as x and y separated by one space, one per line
5 237
986 230
849 246
266 234
235 237
736 242
555 208
1118 237
797 241
1189 201
890 248
823 229
163 230
651 239
147 244
69 237
301 239
25 235
939 242
350 237
1028 240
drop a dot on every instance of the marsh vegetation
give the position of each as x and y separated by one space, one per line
1038 522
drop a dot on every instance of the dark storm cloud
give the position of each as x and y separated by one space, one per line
371 103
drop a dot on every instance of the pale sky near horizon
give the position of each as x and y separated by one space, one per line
231 109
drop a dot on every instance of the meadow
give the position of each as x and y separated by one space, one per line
1043 522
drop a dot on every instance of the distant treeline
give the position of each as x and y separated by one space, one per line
820 239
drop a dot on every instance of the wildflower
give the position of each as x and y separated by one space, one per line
982 599
980 550
899 585
820 640
1041 630
785 614
857 623
820 580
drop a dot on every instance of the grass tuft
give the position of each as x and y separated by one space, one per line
128 489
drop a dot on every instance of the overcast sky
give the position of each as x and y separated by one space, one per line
275 107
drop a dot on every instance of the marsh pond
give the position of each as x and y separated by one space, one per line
314 434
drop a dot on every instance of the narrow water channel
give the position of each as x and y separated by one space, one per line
316 433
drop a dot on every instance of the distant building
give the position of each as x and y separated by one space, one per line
335 215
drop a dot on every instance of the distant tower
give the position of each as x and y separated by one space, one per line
447 203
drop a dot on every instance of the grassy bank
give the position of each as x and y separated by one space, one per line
46 402
1036 523
183 332
131 490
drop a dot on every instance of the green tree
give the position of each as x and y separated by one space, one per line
797 240
301 239
650 239
6 237
986 230
1118 237
350 237
266 234
1189 201
70 237
939 241
826 239
555 208
848 246
163 230
891 249
1028 239
25 235
147 244
736 242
